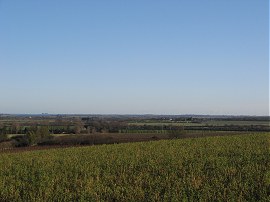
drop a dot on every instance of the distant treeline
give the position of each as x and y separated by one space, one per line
98 125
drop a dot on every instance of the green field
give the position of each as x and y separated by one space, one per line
204 123
228 168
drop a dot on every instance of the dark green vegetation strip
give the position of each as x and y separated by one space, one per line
233 168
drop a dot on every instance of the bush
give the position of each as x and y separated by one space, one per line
175 133
33 136
3 137
78 140
21 141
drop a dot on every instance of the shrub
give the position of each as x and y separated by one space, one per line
3 137
21 141
176 133
33 136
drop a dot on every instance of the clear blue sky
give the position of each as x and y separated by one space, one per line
134 57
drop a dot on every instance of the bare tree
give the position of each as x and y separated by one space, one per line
15 127
78 125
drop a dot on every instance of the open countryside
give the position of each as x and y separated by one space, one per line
91 158
134 101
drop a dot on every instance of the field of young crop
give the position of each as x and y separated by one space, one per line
228 168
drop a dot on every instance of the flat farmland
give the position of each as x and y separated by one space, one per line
204 123
227 168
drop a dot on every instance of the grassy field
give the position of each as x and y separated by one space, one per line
228 168
204 123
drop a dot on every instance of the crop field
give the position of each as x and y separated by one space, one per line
225 168
204 123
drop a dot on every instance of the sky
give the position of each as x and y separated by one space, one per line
134 57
